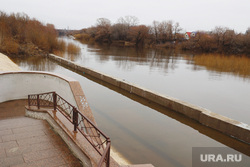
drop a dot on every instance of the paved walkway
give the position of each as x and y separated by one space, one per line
27 142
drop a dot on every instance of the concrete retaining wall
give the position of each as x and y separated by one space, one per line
223 124
18 85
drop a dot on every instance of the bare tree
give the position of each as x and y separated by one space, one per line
248 31
103 22
166 31
121 28
176 29
119 31
128 20
219 35
103 30
155 31
139 34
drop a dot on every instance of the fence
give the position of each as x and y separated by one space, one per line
100 142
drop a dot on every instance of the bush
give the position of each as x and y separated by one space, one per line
10 47
21 35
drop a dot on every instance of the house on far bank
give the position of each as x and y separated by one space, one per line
189 35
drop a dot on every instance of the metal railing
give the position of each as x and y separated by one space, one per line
95 137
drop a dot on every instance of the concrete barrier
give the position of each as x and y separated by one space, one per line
230 127
18 85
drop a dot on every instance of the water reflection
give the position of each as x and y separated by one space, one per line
34 63
128 58
72 49
235 65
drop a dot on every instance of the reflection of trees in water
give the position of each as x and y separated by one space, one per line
39 63
73 54
128 57
163 59
236 65
72 57
35 63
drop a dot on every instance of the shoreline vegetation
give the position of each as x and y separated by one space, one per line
237 65
22 36
166 34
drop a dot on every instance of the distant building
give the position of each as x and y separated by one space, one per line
189 35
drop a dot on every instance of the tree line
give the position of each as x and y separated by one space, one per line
20 35
128 31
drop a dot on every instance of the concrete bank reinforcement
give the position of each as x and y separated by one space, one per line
230 127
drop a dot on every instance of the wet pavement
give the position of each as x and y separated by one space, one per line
28 142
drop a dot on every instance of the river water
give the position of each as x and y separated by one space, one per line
143 132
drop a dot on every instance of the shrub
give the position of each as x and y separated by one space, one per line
10 47
18 32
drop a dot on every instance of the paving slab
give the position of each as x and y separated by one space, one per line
27 142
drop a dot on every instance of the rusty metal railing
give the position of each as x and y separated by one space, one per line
100 142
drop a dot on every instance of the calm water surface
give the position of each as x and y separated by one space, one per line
224 90
143 132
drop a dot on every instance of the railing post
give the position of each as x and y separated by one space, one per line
54 100
38 102
108 153
29 100
75 119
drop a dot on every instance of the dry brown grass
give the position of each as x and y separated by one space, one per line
61 46
238 65
73 49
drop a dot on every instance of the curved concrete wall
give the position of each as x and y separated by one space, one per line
18 85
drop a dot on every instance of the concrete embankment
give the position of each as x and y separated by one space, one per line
230 127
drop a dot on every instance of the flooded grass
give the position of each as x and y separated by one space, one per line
61 46
73 49
238 65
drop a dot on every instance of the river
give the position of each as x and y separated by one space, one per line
143 132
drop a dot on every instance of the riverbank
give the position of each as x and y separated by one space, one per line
7 65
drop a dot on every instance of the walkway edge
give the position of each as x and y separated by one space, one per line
228 126
59 130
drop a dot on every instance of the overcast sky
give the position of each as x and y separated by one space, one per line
191 14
